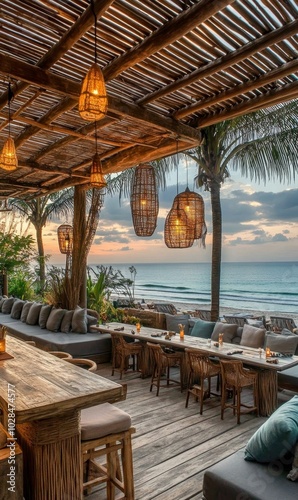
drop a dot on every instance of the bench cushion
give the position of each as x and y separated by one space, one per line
234 478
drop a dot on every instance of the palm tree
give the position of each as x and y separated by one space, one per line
262 145
38 211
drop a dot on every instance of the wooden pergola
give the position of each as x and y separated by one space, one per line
170 66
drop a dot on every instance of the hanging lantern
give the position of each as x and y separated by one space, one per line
8 156
97 179
65 238
93 101
177 233
144 200
193 205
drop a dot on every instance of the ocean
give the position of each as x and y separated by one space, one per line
261 286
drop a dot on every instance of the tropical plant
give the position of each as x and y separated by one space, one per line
262 145
22 284
57 288
39 211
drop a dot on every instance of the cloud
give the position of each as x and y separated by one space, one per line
261 238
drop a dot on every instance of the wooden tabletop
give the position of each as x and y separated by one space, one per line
44 386
249 356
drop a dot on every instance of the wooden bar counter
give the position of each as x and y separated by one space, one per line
46 395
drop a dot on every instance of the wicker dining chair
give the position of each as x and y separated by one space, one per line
61 354
202 368
122 352
234 377
163 362
87 364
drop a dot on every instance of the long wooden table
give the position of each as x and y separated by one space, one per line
46 395
267 372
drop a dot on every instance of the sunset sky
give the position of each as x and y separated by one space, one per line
260 223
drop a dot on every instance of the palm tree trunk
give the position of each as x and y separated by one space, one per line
41 257
216 248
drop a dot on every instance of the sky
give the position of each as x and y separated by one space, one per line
260 224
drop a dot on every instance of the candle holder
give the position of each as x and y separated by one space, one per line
138 327
220 339
181 332
268 352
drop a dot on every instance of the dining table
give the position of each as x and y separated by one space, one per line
267 368
41 397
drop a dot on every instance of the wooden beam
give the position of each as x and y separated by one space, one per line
269 77
226 61
286 93
169 33
37 76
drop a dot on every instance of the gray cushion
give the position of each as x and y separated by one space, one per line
102 420
286 344
79 320
229 331
66 322
25 311
54 319
174 321
16 309
33 314
44 315
1 302
7 305
91 320
252 336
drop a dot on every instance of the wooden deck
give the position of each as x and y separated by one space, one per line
174 445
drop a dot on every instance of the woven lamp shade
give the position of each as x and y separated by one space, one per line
177 233
193 205
93 101
8 156
65 238
97 179
144 200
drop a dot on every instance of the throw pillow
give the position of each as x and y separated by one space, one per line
44 315
252 336
229 331
91 320
25 311
66 322
202 329
173 321
54 319
33 314
7 305
2 302
16 309
276 436
79 320
286 344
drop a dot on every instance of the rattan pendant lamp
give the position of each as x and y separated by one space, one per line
144 202
97 179
8 156
177 232
65 242
93 101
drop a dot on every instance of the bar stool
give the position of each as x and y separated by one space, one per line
163 361
105 429
122 351
203 368
235 377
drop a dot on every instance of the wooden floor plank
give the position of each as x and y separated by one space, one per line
174 445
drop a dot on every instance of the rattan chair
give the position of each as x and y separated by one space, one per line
203 314
122 352
202 368
277 324
163 362
236 320
106 430
61 354
87 364
235 377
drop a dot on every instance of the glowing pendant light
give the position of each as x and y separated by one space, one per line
144 202
8 156
97 179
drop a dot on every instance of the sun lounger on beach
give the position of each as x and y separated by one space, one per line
165 308
278 323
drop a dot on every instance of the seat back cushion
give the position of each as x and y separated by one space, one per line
7 305
252 336
79 320
286 344
33 314
229 331
44 315
201 328
66 322
55 319
173 322
16 309
25 311
277 436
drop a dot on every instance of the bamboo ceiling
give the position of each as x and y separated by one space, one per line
170 66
